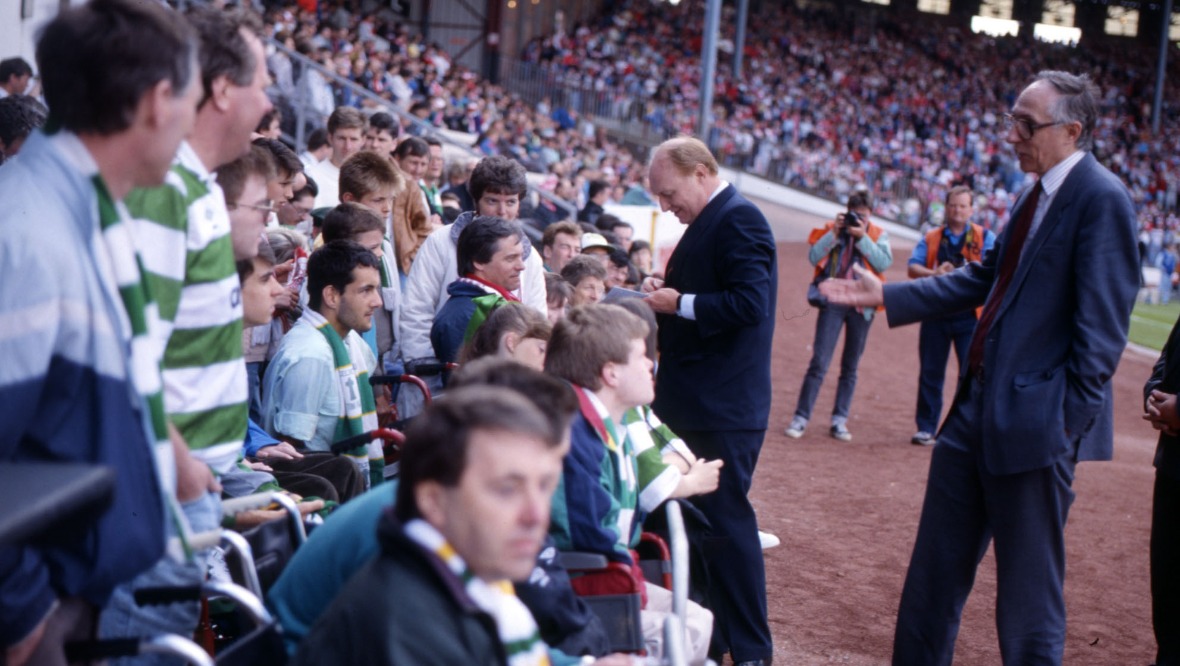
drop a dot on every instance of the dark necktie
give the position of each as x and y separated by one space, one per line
1015 244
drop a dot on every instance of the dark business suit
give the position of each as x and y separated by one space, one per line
713 389
1003 467
1165 528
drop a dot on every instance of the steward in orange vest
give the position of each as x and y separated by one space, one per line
972 249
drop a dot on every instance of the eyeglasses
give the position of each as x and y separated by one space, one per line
265 207
1026 128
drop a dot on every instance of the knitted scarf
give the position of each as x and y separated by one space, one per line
515 624
147 351
358 409
484 305
492 286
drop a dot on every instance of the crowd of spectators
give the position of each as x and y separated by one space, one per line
380 52
826 101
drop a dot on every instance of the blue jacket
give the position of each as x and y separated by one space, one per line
1059 331
65 388
449 331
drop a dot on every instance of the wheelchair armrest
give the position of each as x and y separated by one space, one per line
581 561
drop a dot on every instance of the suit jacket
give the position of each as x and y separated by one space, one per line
1165 376
1059 331
714 372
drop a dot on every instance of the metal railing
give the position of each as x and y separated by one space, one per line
640 123
305 108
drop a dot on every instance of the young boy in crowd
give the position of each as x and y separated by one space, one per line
610 481
370 180
557 292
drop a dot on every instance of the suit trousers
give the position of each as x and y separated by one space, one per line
935 338
828 322
965 508
733 553
1165 575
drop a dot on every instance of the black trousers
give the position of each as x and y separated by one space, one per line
733 553
319 474
1165 569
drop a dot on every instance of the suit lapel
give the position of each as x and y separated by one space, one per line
698 230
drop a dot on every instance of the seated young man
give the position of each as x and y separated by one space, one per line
587 279
490 262
304 473
477 472
316 390
560 242
361 224
607 485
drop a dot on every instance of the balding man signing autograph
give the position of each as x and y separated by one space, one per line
716 313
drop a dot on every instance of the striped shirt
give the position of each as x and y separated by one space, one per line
183 230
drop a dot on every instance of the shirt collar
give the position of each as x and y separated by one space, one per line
71 148
598 404
188 158
1055 176
719 190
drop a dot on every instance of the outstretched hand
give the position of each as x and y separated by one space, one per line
865 292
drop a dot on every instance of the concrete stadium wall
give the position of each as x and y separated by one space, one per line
19 22
768 190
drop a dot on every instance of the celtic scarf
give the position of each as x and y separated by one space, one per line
147 350
515 625
358 409
620 470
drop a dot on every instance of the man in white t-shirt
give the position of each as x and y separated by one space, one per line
346 134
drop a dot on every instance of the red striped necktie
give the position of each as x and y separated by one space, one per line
1017 235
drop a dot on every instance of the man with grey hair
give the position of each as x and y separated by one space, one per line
1065 270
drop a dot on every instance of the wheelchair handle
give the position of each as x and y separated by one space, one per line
350 443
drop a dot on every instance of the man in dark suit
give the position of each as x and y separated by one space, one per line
1159 402
716 312
1035 395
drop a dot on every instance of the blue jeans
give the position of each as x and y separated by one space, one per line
123 618
827 328
934 349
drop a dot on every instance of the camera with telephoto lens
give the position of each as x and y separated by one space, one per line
851 219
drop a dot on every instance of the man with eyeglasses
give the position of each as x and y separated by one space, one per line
1035 395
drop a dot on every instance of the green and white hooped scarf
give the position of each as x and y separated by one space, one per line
358 409
147 353
515 624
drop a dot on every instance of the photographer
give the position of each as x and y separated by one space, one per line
849 240
941 251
